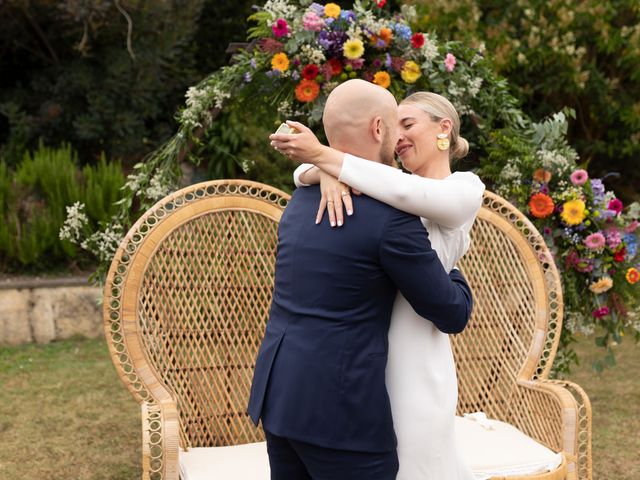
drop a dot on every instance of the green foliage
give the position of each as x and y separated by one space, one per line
582 54
68 75
34 200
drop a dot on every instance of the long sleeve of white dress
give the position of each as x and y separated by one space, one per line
448 206
297 173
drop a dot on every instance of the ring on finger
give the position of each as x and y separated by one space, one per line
345 193
330 201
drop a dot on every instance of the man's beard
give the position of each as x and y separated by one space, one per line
387 150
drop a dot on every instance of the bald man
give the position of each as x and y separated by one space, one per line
319 383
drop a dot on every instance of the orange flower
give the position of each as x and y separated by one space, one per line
280 61
541 175
383 38
307 91
633 275
383 79
541 205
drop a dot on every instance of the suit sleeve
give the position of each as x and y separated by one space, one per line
449 202
407 257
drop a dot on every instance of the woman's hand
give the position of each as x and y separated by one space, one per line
335 195
302 147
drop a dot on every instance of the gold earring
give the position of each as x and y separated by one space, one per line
442 142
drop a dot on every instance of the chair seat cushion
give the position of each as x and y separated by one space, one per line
246 462
491 447
494 448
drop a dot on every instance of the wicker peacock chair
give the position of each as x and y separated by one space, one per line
187 297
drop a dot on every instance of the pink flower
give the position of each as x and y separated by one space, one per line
613 238
280 28
595 241
579 177
312 22
615 205
449 62
356 63
600 312
632 227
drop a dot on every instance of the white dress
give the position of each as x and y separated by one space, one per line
421 375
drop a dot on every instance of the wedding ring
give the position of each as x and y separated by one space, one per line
345 193
330 201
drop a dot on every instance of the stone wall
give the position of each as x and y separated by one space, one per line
45 310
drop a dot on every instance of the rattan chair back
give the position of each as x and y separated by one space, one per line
187 301
517 313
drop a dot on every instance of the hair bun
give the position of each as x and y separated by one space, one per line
459 149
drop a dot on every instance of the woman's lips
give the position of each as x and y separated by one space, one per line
400 150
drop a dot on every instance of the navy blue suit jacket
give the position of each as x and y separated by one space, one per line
320 371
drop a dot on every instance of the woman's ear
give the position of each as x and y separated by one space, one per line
446 125
377 129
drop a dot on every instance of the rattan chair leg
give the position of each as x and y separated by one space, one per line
160 441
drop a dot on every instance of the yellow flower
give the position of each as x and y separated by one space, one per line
353 49
573 212
410 72
280 61
332 10
383 79
602 285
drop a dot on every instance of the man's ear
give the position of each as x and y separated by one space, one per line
377 129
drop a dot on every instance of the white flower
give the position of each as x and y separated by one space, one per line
311 54
279 8
554 161
474 86
430 48
104 244
75 222
157 188
284 109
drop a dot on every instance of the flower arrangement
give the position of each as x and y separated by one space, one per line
593 237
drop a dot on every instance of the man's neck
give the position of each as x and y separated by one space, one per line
363 151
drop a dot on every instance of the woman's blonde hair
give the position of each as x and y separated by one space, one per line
438 108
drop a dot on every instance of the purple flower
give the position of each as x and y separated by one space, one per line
332 42
598 188
317 8
253 63
544 189
247 77
348 15
377 63
387 61
614 238
295 75
547 231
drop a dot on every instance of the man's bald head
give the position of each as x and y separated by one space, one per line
353 112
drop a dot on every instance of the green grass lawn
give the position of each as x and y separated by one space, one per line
65 415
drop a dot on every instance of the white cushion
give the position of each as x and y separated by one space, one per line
494 448
239 462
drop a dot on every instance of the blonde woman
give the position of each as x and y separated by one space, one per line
420 374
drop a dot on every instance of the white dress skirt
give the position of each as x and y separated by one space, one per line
421 374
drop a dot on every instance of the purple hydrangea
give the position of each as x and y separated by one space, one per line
332 42
348 16
317 8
